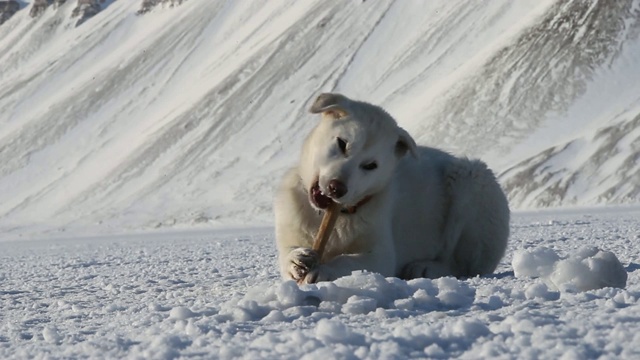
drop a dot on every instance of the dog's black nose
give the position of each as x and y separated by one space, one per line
337 188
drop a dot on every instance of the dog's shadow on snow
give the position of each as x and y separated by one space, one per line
501 275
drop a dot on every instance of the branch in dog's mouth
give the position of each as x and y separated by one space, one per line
319 199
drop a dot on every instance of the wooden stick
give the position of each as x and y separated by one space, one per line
322 237
326 226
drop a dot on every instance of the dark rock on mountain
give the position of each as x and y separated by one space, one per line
148 5
86 9
38 7
7 9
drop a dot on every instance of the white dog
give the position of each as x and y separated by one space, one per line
407 211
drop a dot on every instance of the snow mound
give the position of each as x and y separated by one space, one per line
588 269
357 294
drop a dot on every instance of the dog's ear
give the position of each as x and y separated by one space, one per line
406 143
330 104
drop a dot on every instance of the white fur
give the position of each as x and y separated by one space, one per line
430 214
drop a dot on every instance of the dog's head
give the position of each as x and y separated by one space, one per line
353 152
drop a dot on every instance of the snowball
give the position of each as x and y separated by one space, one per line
51 335
157 307
181 313
274 316
470 329
385 349
536 263
540 291
573 354
453 299
435 351
570 272
494 303
359 305
330 306
289 293
455 293
404 304
611 273
164 347
383 291
588 268
334 331
424 300
523 326
192 329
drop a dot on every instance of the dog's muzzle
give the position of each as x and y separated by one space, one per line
318 198
336 190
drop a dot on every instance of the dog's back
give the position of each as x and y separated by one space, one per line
457 209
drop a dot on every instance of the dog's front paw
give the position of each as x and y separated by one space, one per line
318 274
302 261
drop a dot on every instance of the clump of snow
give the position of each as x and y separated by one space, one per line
181 313
535 263
359 305
360 293
540 291
51 335
588 269
469 329
334 331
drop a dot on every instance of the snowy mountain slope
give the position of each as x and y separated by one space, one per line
574 48
590 153
188 115
597 168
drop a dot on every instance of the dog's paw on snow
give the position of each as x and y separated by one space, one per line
301 262
588 269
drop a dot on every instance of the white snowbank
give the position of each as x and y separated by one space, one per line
587 269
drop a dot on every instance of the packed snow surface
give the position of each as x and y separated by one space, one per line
568 288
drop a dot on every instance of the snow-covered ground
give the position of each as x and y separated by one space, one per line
217 294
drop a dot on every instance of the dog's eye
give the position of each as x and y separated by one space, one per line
369 166
342 145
